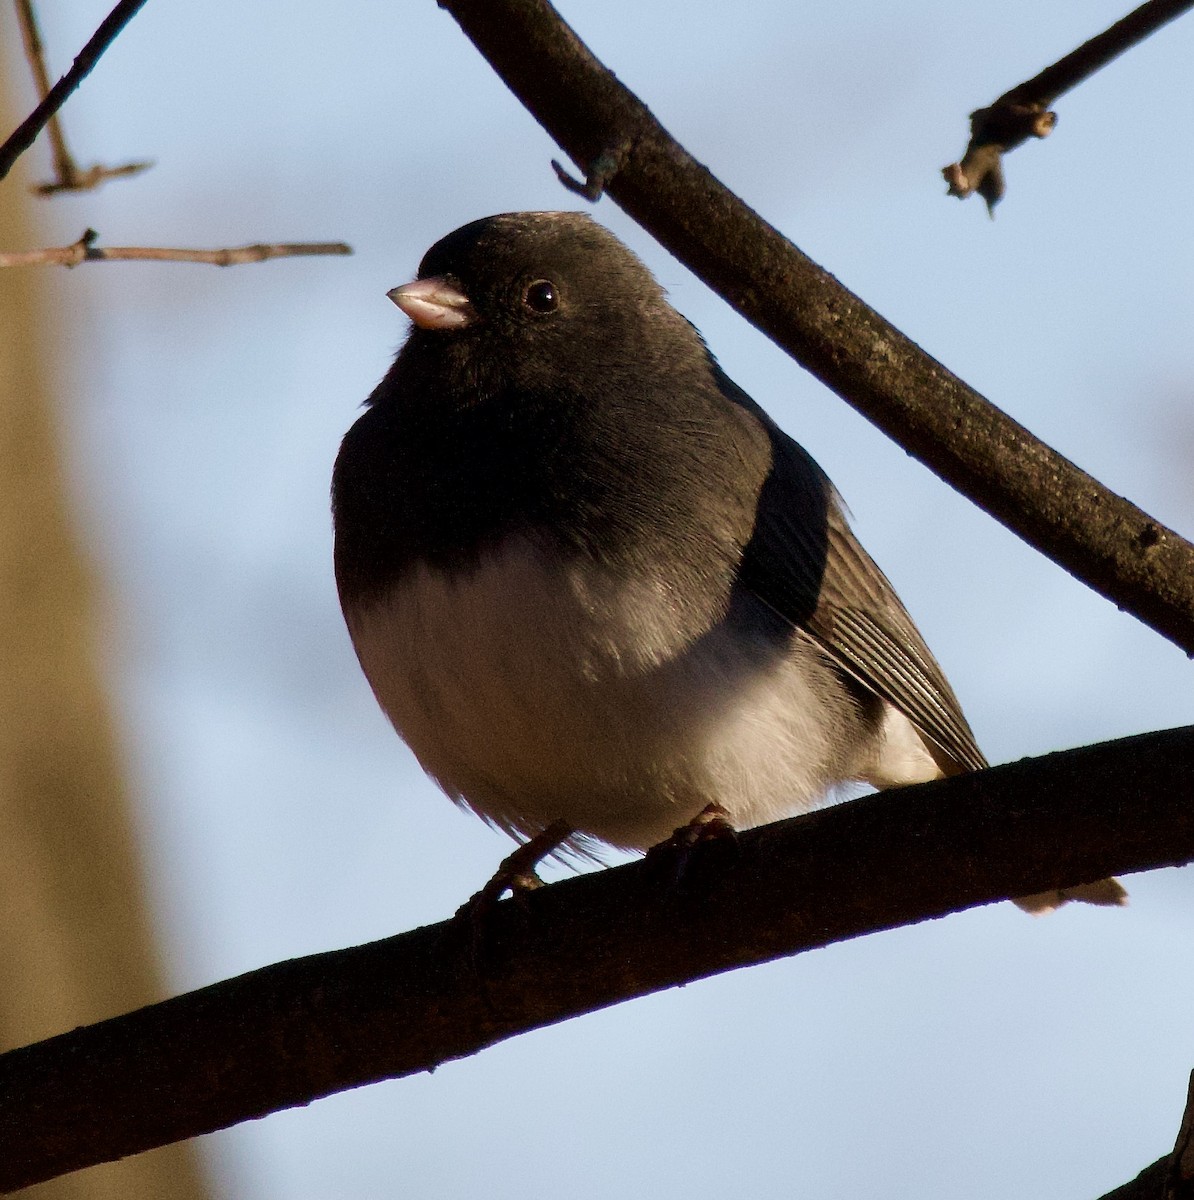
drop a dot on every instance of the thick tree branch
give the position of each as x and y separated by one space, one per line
1103 540
85 250
293 1032
1023 112
1172 1176
26 133
1181 1162
1150 1184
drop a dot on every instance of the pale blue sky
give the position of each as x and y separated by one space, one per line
987 1055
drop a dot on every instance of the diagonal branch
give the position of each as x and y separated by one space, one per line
1108 543
1023 112
290 1033
68 175
1181 1161
64 163
1150 1184
1096 53
26 133
85 250
1172 1176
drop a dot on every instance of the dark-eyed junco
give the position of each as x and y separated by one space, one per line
589 579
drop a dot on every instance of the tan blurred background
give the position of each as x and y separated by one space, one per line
76 942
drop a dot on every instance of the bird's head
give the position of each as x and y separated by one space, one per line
536 299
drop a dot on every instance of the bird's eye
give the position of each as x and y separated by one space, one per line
541 297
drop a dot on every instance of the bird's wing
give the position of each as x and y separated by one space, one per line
805 563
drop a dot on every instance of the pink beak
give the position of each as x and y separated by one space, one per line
433 304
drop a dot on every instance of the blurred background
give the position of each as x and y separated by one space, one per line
195 414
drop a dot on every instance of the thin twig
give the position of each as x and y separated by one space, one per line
1023 112
290 1033
68 175
64 163
85 250
26 133
1103 540
88 179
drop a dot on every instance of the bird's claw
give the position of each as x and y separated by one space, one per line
710 825
516 875
599 175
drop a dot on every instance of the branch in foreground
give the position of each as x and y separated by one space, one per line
26 133
293 1032
1150 1184
1103 540
1181 1161
85 250
1023 112
1172 1176
68 175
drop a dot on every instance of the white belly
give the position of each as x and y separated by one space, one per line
533 693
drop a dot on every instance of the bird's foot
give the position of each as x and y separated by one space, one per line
672 856
516 875
600 173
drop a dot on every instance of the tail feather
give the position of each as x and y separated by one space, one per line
920 759
1108 892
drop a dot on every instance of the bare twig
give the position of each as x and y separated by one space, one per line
1108 543
290 1033
85 250
68 175
64 163
87 179
1023 112
25 134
